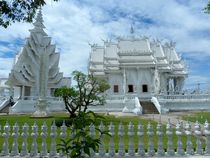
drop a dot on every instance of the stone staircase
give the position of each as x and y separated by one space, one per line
148 107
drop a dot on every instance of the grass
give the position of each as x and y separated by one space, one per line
21 119
201 117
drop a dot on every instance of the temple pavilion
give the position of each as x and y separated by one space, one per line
138 67
36 65
35 73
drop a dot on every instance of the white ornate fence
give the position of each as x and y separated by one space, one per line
133 151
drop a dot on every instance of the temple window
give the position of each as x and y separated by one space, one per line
116 88
144 88
130 88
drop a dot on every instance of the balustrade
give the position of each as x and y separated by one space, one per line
135 147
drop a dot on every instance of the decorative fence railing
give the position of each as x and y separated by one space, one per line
49 98
21 149
185 96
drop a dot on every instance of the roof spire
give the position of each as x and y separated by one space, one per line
39 20
132 29
38 24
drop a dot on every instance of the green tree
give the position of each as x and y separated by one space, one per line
88 90
207 8
81 143
18 10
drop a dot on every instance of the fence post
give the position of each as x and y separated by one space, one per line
34 135
150 134
101 145
121 133
169 133
207 134
24 135
5 134
198 138
179 134
15 135
131 149
43 134
92 134
188 132
53 135
159 133
63 135
140 133
111 142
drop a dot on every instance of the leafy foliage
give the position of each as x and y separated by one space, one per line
207 8
18 10
89 90
81 143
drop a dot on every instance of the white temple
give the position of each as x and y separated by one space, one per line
145 76
137 65
4 88
139 71
35 72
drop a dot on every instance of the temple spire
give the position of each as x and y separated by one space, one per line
39 20
132 30
38 24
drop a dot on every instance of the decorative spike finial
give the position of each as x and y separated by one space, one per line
132 29
39 20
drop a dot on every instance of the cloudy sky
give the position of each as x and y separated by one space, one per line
73 24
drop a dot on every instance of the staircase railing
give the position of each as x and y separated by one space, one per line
4 104
155 101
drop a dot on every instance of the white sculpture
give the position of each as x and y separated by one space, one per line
35 73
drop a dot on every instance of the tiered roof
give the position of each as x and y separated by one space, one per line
135 52
28 62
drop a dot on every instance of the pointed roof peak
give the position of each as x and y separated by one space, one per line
39 15
132 29
39 20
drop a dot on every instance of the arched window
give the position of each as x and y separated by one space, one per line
144 88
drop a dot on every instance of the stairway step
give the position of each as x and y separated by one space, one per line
148 107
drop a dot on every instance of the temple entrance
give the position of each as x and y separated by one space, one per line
27 91
144 88
130 88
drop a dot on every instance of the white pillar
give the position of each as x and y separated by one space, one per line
41 106
124 81
124 87
138 82
22 92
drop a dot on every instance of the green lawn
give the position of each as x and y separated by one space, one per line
21 119
201 117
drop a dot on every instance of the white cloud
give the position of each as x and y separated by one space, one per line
5 66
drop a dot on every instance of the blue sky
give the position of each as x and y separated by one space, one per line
73 24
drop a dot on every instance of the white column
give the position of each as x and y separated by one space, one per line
124 87
124 82
138 82
22 92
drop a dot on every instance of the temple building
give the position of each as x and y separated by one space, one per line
138 67
36 65
35 74
4 89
